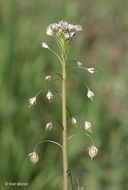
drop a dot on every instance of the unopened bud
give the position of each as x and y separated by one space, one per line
90 95
48 78
49 96
74 121
67 36
91 70
49 126
88 126
44 45
79 64
32 101
92 151
34 157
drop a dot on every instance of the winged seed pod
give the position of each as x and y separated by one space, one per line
49 126
49 96
34 157
48 78
90 94
88 126
32 101
74 121
92 151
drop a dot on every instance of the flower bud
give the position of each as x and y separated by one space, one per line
74 121
92 151
49 126
34 157
32 101
79 64
88 126
90 94
67 36
44 45
48 78
49 96
91 70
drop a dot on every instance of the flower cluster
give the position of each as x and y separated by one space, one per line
63 32
62 27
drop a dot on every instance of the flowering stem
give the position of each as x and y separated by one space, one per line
45 141
57 40
58 75
84 68
56 54
70 177
40 91
76 134
69 111
64 120
76 179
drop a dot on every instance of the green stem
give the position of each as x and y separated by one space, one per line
64 120
47 141
71 183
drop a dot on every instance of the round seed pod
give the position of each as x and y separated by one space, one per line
92 151
34 157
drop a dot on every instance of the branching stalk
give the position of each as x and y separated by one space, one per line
56 55
47 141
77 134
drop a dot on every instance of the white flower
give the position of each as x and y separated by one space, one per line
64 27
44 45
32 101
48 78
79 64
34 157
49 126
74 121
91 70
92 151
72 34
90 94
54 26
70 27
78 28
49 96
49 31
88 126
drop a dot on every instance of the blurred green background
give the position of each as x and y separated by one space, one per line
102 44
